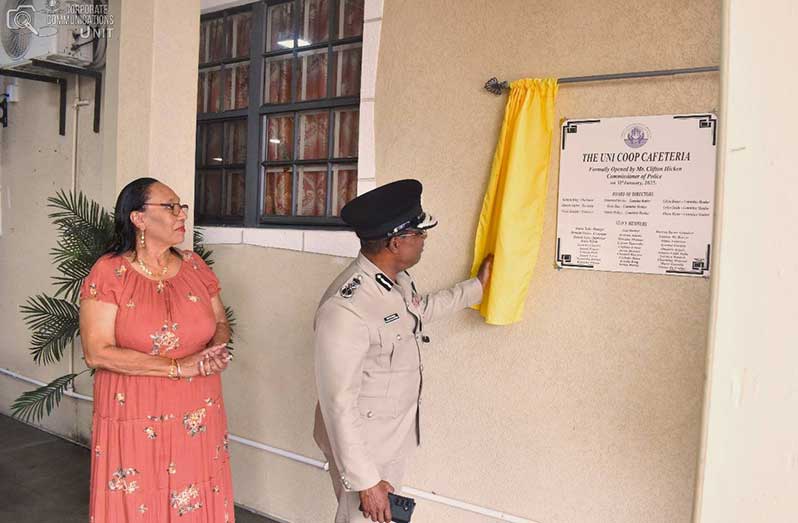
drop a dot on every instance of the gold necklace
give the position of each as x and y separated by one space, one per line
147 270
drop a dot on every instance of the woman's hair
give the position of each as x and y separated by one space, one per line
131 198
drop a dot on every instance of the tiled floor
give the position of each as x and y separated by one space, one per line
45 479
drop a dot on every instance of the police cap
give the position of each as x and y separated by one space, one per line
387 211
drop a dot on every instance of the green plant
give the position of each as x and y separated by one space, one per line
85 229
207 256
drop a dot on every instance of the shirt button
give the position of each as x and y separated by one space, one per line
421 368
369 414
398 336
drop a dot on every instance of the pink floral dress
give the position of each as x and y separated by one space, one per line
160 446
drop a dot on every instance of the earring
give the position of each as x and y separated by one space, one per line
141 240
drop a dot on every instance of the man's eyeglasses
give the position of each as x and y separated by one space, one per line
174 207
413 232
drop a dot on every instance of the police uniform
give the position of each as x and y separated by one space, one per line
369 332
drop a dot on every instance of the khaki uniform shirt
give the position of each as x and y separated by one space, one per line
368 338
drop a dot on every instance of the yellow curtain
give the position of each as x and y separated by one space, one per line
511 223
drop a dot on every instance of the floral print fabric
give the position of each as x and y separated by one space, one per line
160 445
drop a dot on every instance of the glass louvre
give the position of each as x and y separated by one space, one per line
306 78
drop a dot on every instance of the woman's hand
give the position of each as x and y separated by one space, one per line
216 360
206 362
216 356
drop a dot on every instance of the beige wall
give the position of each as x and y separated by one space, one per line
147 125
750 458
586 411
269 391
36 162
151 95
589 409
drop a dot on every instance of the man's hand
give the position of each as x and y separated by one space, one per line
485 270
374 502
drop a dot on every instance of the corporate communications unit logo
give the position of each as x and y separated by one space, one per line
41 18
636 135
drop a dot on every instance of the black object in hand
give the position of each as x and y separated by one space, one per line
401 508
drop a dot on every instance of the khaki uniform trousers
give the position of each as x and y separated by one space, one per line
349 501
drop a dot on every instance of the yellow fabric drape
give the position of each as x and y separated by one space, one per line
511 223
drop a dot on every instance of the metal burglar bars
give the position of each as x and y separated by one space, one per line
277 126
222 116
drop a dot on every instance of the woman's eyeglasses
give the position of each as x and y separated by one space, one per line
174 207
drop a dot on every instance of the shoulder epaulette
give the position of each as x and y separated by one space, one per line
348 290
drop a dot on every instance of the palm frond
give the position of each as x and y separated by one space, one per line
199 246
231 321
74 271
54 323
199 236
85 230
33 405
231 317
75 212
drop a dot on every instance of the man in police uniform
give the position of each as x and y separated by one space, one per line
368 336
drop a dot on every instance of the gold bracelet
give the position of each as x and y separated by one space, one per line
173 371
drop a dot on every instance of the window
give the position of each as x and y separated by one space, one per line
278 111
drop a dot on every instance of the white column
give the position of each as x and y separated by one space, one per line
150 95
749 468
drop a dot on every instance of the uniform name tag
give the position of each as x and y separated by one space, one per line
393 317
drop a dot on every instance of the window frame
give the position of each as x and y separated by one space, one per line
222 167
257 112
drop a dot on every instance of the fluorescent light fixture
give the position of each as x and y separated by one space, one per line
274 140
217 159
289 44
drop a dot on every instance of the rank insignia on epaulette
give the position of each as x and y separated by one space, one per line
385 281
348 290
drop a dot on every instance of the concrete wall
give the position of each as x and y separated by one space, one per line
750 460
270 389
36 162
589 409
152 103
147 129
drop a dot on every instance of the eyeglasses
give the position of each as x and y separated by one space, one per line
413 232
174 207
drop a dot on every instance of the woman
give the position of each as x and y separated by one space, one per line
152 324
